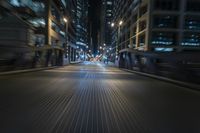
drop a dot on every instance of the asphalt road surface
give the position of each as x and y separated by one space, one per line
93 98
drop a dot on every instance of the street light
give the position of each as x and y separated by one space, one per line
120 23
118 41
66 36
113 24
65 20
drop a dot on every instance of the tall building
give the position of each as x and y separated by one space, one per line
82 26
53 23
106 19
156 25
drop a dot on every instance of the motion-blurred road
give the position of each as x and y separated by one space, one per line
94 98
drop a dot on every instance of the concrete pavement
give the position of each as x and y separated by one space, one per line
93 98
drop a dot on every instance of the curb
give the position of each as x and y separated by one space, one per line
32 70
75 62
177 82
27 70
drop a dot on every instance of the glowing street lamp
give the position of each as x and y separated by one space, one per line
120 23
65 20
113 24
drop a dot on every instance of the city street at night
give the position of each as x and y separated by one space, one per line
91 97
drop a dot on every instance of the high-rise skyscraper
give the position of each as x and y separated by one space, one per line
106 19
157 25
82 26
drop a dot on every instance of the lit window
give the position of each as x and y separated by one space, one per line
162 38
109 3
164 49
109 15
15 3
191 40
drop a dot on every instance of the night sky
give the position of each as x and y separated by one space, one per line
94 16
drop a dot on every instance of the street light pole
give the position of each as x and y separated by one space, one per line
66 37
118 41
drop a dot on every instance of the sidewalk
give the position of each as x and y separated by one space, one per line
110 64
75 62
34 69
27 70
177 82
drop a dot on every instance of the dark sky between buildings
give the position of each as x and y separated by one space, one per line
94 16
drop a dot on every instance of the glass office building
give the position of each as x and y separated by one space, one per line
157 25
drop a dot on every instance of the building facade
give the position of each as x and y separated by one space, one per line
156 25
54 23
105 34
106 19
159 37
82 29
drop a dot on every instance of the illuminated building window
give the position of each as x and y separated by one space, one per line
109 15
164 49
39 22
109 3
162 38
191 40
64 2
15 3
192 23
35 6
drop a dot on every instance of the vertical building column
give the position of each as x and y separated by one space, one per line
149 26
74 54
48 22
118 40
137 28
130 37
125 37
47 31
181 23
71 54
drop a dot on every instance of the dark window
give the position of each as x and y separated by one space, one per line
192 23
193 5
134 18
165 21
143 10
134 31
166 4
134 42
142 25
142 40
